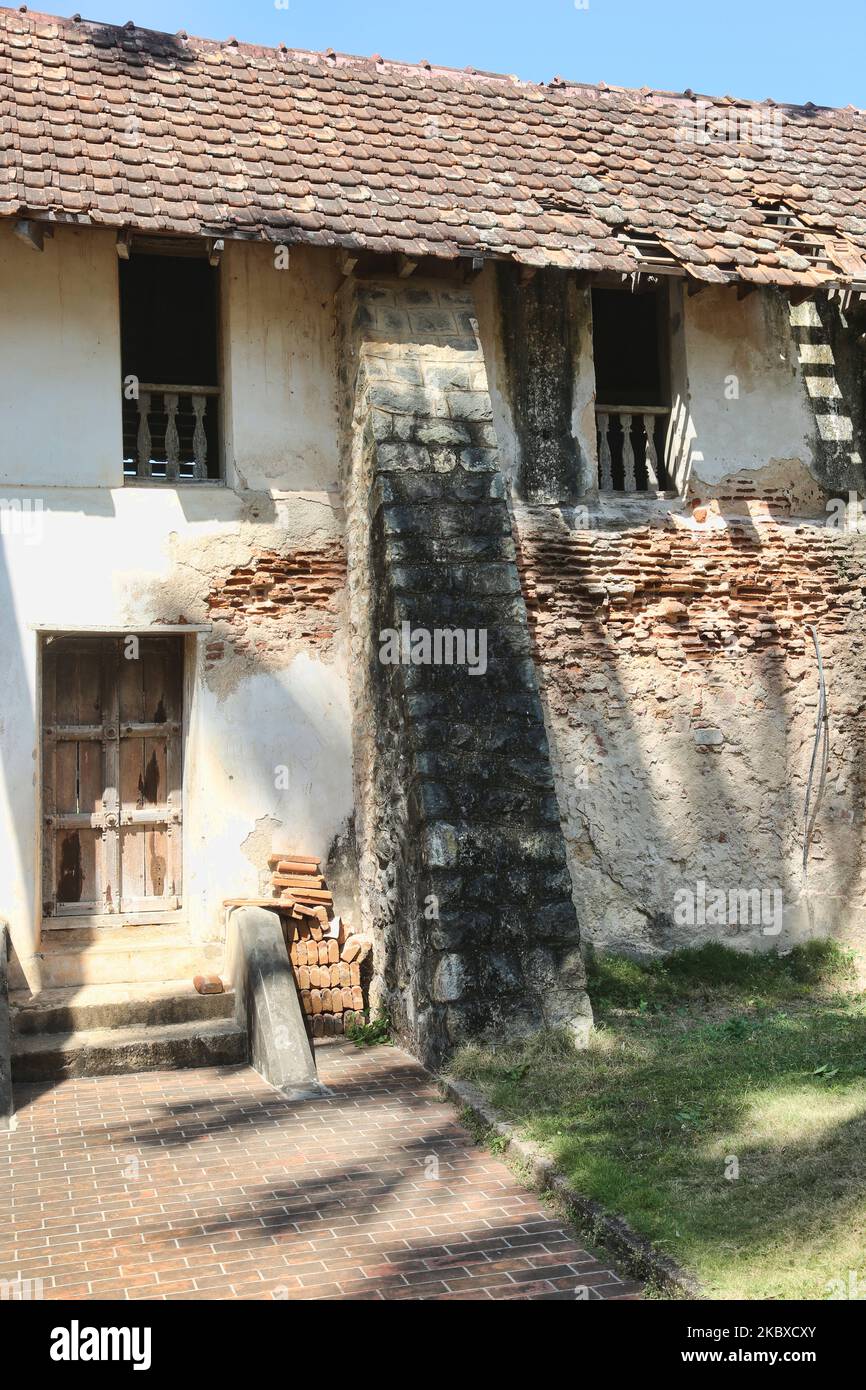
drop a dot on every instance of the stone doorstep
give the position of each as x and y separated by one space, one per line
637 1255
74 1008
118 956
104 1029
113 1051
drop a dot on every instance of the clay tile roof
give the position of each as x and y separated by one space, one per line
121 126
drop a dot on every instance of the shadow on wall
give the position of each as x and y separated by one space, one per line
17 761
679 456
679 768
831 362
737 404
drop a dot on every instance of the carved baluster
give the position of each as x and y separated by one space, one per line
628 480
604 463
172 442
142 442
199 438
651 457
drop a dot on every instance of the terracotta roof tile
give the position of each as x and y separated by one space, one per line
124 126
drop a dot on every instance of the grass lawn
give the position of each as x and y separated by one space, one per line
704 1065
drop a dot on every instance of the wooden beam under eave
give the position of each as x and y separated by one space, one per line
123 245
406 266
527 273
745 288
348 263
472 266
694 287
215 248
33 233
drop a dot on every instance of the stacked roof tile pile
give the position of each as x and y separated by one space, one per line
327 957
125 127
329 980
326 960
297 881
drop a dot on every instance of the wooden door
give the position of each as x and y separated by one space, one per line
112 759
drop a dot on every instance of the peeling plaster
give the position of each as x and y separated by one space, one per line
262 841
787 484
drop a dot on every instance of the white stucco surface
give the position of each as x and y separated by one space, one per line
746 403
280 368
60 385
97 560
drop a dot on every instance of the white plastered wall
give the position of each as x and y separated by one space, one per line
745 407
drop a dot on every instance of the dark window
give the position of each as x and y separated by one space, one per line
168 328
630 348
627 343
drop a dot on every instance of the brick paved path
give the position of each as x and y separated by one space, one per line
207 1184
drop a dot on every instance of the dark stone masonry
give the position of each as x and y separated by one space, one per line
538 323
462 855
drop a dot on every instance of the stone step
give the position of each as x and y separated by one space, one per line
74 1010
120 955
146 934
112 1051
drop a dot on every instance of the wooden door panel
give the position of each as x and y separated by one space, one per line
79 693
132 862
112 775
131 692
66 778
74 689
161 686
79 780
150 684
91 777
156 880
79 859
143 779
154 782
145 868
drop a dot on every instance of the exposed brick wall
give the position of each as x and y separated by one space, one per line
680 590
680 686
297 591
464 880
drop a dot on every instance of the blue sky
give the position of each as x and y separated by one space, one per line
792 50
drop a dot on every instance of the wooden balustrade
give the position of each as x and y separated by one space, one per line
616 426
156 400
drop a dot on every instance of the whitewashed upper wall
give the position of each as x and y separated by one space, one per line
60 387
60 406
739 384
280 367
747 403
60 369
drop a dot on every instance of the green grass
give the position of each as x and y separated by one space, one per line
709 1056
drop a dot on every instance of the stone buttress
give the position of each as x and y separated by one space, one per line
464 880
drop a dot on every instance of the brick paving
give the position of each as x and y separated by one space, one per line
207 1184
